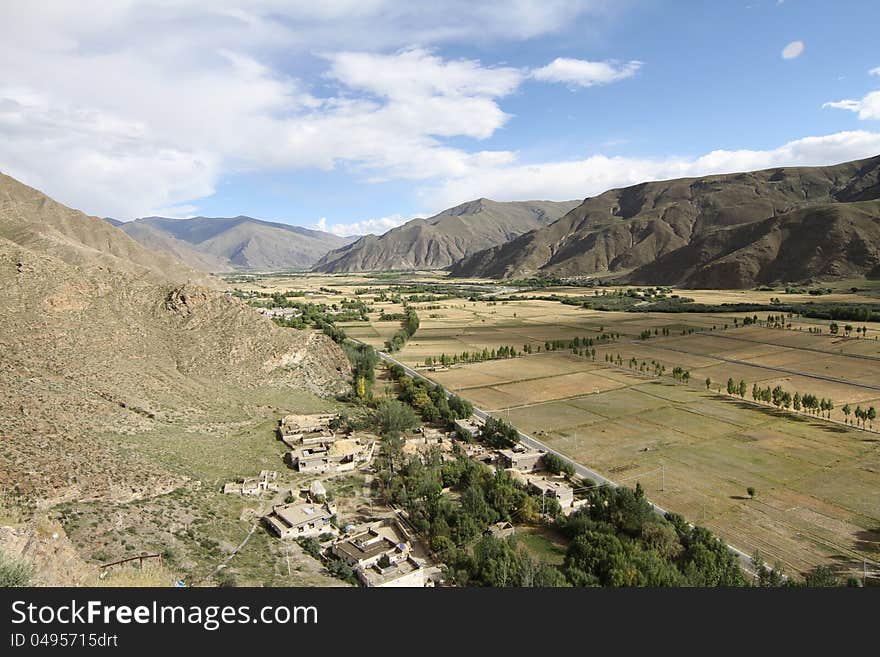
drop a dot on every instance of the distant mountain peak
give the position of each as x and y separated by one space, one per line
436 242
232 243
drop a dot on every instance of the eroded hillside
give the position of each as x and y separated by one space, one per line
687 231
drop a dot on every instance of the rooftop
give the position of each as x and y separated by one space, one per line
297 513
376 576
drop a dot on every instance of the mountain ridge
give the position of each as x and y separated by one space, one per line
34 221
627 230
223 244
438 241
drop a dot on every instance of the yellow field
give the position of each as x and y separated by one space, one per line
695 451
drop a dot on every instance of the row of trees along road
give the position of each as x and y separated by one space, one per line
409 326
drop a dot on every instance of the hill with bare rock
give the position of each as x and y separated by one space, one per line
96 347
726 231
222 244
34 221
439 241
837 240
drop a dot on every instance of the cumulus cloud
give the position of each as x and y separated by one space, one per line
874 71
583 73
793 49
866 108
96 160
593 175
133 108
376 226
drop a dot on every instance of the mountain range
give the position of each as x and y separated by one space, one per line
439 241
222 244
791 224
35 222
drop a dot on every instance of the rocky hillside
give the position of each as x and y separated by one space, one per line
219 244
34 221
438 241
96 346
728 231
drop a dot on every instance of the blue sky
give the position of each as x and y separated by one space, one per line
355 116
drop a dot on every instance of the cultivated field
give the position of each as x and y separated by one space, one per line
694 450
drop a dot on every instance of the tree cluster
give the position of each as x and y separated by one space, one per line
430 400
409 326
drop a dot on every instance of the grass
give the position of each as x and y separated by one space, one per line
195 526
542 543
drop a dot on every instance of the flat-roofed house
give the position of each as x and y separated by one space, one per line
468 427
408 572
301 520
306 429
520 458
338 456
555 487
381 555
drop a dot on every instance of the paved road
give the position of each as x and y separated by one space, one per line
581 470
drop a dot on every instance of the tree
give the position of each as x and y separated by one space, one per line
393 416
741 388
847 409
731 387
821 576
556 464
498 434
752 492
871 415
708 383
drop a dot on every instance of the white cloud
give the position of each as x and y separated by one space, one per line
417 72
867 108
874 71
375 226
97 161
583 73
593 175
130 108
793 49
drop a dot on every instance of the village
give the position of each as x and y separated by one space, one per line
383 550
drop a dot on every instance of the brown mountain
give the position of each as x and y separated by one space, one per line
736 230
100 344
36 222
438 241
219 244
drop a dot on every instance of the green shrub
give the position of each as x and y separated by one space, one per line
14 572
